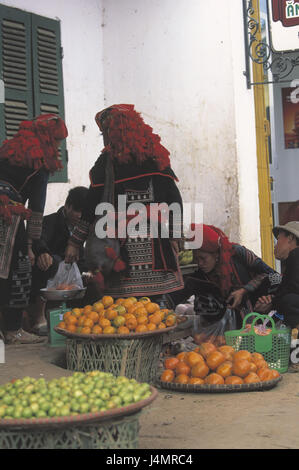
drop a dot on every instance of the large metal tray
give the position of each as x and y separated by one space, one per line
63 294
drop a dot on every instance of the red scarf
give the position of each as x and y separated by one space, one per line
35 146
215 240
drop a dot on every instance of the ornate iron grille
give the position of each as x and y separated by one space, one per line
258 50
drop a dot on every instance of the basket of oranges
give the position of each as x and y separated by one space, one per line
217 369
121 336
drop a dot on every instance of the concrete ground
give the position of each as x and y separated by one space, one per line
247 420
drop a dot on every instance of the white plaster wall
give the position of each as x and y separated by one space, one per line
81 39
181 63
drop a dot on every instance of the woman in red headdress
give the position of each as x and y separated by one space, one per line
133 164
229 275
26 161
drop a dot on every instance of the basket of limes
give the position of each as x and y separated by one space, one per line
95 410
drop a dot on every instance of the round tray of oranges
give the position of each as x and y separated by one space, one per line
217 369
117 318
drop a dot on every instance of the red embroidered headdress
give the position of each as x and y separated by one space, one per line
215 240
34 145
128 138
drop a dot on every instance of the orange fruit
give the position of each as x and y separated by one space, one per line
200 370
104 322
76 312
131 323
88 322
107 300
94 316
97 329
139 311
143 320
251 378
127 303
140 328
61 325
87 309
171 362
86 330
170 320
227 351
181 379
196 381
109 330
81 320
151 326
257 356
274 373
121 310
225 369
260 363
152 307
214 359
242 354
164 312
98 307
144 300
161 326
119 321
233 380
71 320
206 348
182 368
193 358
181 356
71 327
214 379
119 301
253 367
67 314
155 318
167 376
264 374
241 367
111 314
123 330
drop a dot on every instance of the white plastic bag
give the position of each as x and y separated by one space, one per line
66 275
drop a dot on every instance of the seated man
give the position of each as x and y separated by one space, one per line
286 299
49 252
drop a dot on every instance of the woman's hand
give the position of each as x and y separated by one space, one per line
263 304
236 297
71 254
44 261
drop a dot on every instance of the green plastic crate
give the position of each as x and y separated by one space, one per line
275 347
55 317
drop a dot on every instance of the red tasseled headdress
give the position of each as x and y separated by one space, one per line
34 145
127 136
215 240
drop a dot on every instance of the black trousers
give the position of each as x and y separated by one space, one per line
288 306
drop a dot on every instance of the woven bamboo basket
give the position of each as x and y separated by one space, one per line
114 429
135 356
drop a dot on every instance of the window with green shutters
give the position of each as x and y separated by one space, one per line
31 69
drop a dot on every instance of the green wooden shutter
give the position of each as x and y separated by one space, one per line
15 69
47 76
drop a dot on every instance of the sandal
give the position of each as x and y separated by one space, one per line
40 330
22 337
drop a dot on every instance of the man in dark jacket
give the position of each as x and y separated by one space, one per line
49 250
286 298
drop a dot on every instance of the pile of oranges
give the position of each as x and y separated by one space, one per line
208 364
120 316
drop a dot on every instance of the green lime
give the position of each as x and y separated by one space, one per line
7 400
18 413
41 414
105 395
27 412
84 408
34 407
2 410
52 411
75 406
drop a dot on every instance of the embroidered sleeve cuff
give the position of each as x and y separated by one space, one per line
80 233
34 225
